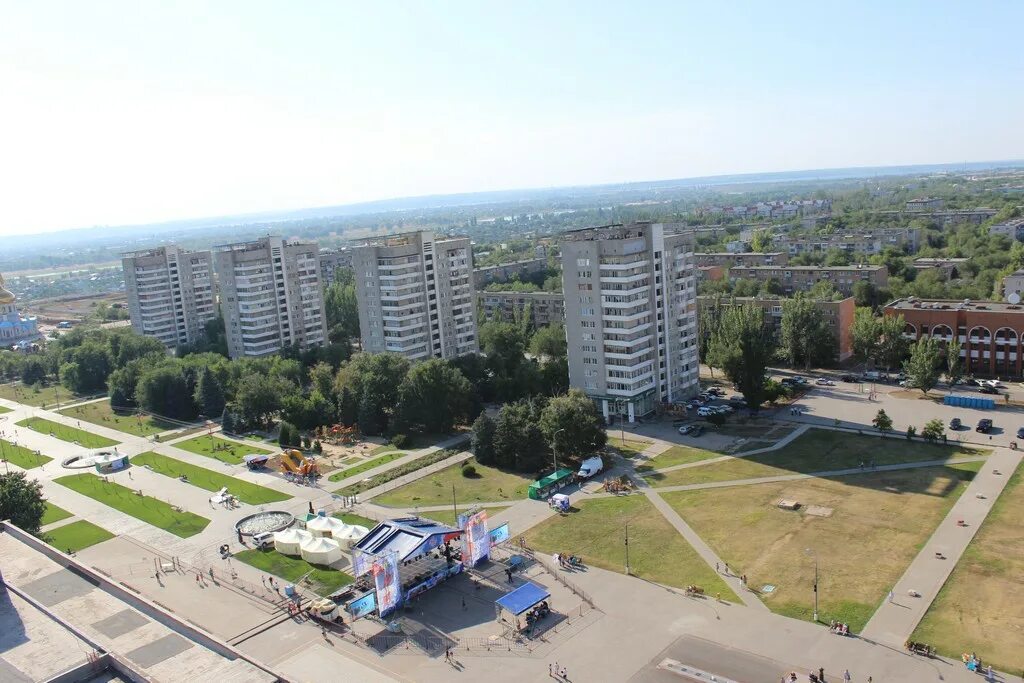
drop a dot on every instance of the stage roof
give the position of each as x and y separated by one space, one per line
523 598
409 536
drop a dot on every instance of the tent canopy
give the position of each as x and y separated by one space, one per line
256 457
523 598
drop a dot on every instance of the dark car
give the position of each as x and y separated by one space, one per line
1020 433
848 378
955 423
984 426
988 390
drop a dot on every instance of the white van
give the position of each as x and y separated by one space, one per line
590 467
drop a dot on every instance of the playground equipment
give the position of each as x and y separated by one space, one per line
293 462
342 435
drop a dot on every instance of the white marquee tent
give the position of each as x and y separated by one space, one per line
325 526
350 535
321 551
289 541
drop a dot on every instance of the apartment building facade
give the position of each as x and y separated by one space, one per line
506 271
1014 229
171 293
271 296
631 316
863 242
749 258
989 332
543 308
416 295
838 315
802 278
331 261
924 204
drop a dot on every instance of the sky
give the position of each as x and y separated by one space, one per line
134 112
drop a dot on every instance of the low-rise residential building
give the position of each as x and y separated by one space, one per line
171 293
949 268
332 260
861 242
990 332
710 273
925 204
543 308
802 278
838 315
504 272
1014 229
750 258
1014 284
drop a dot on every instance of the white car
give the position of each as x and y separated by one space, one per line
825 382
705 411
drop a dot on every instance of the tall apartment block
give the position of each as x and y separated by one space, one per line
631 316
170 293
415 295
270 295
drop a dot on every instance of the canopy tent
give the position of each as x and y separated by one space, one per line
322 551
523 598
289 541
350 535
542 488
254 460
322 525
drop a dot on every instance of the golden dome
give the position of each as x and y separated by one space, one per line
6 296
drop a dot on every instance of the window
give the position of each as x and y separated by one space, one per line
588 336
582 263
583 274
585 287
586 299
587 310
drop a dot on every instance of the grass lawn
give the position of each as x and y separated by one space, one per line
65 433
53 514
100 412
490 484
448 516
23 457
4 409
973 611
678 455
150 510
322 581
218 449
359 520
367 465
76 536
630 449
879 522
30 396
253 494
818 450
596 532
382 449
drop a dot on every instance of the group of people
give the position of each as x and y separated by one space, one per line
839 628
568 561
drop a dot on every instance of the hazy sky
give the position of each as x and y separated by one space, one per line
141 111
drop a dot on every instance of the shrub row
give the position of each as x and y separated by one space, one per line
392 474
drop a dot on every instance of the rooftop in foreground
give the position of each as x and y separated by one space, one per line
914 303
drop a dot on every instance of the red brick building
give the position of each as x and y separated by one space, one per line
990 332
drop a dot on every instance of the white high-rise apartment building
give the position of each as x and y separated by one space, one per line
270 296
171 293
415 295
631 316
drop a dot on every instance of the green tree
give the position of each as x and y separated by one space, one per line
865 335
341 307
923 366
259 397
321 377
572 426
882 421
892 345
761 241
33 371
21 501
209 394
806 338
549 342
165 391
284 434
227 420
85 368
372 416
865 294
743 345
933 430
954 363
433 397
348 407
482 439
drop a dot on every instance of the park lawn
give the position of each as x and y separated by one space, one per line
66 433
972 612
4 409
150 510
30 396
53 514
76 536
218 449
449 517
367 465
253 494
678 455
24 458
488 485
628 449
323 580
381 450
100 412
358 520
817 450
596 532
879 522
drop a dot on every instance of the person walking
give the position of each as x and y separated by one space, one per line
561 672
846 676
891 596
821 674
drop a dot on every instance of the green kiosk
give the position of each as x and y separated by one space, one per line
543 488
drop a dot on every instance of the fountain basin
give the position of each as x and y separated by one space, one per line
262 522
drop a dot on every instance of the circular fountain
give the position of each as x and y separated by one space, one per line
261 522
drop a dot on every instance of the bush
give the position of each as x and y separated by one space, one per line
305 442
400 441
468 471
318 447
911 431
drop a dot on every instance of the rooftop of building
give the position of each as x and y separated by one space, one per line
922 200
765 299
260 243
940 260
401 239
511 264
914 303
739 253
156 251
812 268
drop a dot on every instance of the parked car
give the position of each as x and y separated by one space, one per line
705 411
824 382
984 426
263 540
994 383
687 429
736 398
724 408
905 383
986 389
1020 433
955 423
848 378
901 376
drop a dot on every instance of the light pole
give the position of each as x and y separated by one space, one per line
621 405
815 556
627 550
554 447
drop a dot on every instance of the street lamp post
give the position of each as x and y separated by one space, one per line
554 448
620 406
627 550
815 555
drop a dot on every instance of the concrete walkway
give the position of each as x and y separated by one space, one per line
782 443
895 621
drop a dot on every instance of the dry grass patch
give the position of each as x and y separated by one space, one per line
878 523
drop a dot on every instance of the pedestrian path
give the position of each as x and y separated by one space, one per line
895 620
782 443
